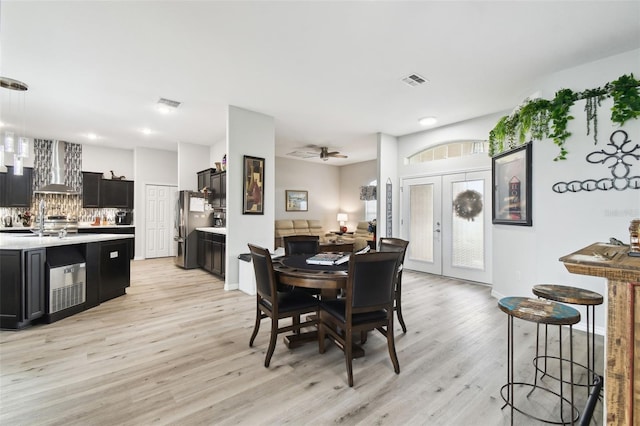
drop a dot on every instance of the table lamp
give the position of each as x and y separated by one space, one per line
342 218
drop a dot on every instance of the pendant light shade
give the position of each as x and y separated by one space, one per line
2 155
9 142
18 165
23 147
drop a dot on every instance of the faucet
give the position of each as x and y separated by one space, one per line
41 212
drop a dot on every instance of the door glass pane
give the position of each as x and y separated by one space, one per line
468 224
421 226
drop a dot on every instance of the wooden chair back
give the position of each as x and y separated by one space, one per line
301 244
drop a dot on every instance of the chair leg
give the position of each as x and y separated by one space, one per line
296 323
348 355
272 341
363 337
392 346
398 307
321 337
256 327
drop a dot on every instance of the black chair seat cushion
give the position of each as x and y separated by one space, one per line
293 300
337 308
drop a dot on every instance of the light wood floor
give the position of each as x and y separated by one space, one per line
175 350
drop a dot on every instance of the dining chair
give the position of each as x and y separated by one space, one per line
396 245
270 303
301 244
368 305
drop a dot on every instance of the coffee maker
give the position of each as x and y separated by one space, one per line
218 220
124 218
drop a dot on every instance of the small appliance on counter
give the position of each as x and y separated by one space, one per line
124 218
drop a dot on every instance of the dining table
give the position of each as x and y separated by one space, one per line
294 270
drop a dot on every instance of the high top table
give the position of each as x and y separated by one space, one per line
622 341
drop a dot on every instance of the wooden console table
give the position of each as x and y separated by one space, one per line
622 341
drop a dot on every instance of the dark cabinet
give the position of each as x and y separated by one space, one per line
16 190
216 184
22 287
114 230
211 252
204 179
98 192
91 189
223 189
115 269
116 193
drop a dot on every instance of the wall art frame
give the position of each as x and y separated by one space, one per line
253 186
296 200
511 177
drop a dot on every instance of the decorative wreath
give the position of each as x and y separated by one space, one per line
468 204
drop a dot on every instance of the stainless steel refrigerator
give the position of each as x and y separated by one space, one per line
191 212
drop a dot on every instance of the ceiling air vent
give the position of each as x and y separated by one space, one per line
414 80
168 102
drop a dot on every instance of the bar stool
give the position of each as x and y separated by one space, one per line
575 296
545 312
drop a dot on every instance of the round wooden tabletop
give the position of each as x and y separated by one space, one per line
293 270
567 294
539 310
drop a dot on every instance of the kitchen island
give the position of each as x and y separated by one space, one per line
45 279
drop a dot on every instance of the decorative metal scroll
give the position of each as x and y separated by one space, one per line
389 208
617 156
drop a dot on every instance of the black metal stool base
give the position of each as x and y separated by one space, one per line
591 375
575 414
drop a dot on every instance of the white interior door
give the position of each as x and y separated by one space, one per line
447 224
422 223
158 222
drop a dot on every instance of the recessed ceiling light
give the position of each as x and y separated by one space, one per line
428 121
92 136
146 131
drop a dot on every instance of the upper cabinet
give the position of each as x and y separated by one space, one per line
98 192
91 189
216 184
15 191
116 193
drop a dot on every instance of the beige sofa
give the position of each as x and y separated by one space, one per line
286 227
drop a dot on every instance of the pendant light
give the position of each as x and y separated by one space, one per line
18 146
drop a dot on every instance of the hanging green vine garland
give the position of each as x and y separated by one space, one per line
535 117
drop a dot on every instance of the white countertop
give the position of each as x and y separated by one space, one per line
221 231
33 241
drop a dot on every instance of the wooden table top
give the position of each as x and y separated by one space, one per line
568 294
539 310
604 260
293 270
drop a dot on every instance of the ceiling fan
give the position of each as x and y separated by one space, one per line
324 153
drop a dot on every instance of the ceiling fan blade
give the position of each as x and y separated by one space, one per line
337 155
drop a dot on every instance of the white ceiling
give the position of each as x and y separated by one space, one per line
329 72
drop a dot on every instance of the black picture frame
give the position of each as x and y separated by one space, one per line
511 177
253 186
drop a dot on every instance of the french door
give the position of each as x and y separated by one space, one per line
447 220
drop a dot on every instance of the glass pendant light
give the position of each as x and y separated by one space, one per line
23 147
9 142
1 155
18 165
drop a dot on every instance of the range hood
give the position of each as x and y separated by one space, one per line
56 180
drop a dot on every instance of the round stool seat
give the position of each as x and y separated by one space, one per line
539 310
568 294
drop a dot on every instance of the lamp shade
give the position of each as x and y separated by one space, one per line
342 217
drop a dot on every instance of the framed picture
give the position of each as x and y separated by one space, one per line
253 199
511 174
296 201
